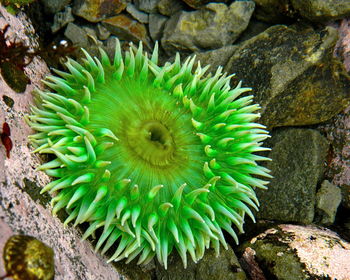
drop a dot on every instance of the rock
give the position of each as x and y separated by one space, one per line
125 28
342 48
169 7
148 6
54 6
136 14
212 27
77 35
338 133
328 198
199 3
97 10
254 28
298 156
322 10
22 209
274 11
156 26
295 77
61 19
215 58
102 32
211 267
293 252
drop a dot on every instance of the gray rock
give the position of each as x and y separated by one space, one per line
211 267
216 58
54 6
102 32
292 252
295 77
76 34
156 26
200 3
297 166
61 19
169 7
328 198
322 10
212 27
148 6
136 14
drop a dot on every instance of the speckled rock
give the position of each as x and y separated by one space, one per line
199 3
148 6
136 14
322 10
274 11
22 209
212 27
292 252
54 6
328 198
61 19
169 7
125 28
97 10
298 156
295 77
156 26
223 267
215 58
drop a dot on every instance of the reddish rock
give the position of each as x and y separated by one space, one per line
125 28
97 10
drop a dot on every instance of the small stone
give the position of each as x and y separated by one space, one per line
61 19
199 3
97 10
77 35
295 77
297 162
102 32
136 14
328 199
54 6
8 101
322 10
148 6
125 28
169 7
156 26
212 27
293 252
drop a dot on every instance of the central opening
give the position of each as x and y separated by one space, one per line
157 135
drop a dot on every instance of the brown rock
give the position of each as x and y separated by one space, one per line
97 10
125 28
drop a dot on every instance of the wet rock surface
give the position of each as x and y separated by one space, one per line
297 166
293 252
198 30
295 78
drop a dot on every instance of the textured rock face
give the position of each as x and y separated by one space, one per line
297 166
292 252
213 26
295 78
22 209
322 10
97 10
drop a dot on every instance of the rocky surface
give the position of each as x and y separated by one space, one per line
328 198
61 19
295 78
274 11
293 252
297 166
198 30
22 209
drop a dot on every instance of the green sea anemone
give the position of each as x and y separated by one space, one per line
154 158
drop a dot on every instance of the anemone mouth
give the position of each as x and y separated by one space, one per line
160 157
